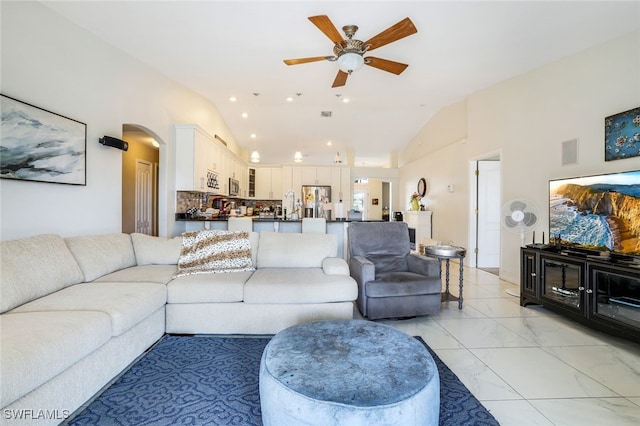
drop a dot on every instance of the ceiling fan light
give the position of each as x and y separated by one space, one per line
297 157
350 61
255 157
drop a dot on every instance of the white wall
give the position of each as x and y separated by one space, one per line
526 119
55 65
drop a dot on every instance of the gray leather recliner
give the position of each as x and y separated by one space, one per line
392 282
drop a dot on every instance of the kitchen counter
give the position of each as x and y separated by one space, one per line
179 218
335 227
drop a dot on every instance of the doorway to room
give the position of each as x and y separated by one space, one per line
140 171
371 197
485 219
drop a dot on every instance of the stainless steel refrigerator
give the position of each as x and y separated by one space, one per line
316 201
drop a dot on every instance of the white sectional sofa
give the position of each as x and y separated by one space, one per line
77 311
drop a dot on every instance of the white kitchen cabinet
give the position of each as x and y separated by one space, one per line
323 175
263 182
276 184
202 162
269 183
309 176
316 175
192 151
292 180
241 172
341 185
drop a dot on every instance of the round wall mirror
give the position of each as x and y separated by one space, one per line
422 187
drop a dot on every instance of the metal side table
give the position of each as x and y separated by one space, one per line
447 252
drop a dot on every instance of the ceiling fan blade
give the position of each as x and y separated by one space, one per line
400 30
305 60
385 65
341 79
325 25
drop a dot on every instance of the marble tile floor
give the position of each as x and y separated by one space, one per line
528 365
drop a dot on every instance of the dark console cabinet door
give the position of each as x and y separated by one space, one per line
597 291
616 296
529 278
562 282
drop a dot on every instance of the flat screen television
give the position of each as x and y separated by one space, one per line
599 213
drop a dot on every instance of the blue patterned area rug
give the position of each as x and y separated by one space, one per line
214 381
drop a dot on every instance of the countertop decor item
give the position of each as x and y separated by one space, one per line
415 201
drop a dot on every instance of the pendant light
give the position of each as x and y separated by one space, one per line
297 157
255 155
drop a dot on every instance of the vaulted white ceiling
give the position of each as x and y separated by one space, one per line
221 49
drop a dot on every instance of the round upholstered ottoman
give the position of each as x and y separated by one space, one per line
347 373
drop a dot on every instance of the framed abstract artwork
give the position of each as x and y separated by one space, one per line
622 135
40 145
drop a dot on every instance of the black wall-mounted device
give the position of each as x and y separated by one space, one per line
114 142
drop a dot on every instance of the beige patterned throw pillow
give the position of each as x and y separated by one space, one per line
212 251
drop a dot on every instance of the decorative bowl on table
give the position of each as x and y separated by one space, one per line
444 250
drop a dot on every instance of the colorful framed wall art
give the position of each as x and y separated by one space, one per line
622 135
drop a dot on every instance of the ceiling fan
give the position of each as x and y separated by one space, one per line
349 52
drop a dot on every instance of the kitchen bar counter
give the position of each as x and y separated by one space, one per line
335 227
255 218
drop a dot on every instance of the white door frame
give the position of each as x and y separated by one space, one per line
488 216
365 201
471 260
144 197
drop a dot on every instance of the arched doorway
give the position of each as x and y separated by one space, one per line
140 171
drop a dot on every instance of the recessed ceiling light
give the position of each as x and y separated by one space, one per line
345 100
233 99
329 143
289 99
253 135
245 115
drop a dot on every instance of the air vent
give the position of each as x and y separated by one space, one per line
325 114
570 152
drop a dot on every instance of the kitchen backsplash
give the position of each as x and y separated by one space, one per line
186 200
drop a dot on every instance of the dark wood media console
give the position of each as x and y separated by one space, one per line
601 292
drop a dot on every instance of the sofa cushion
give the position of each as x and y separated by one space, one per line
34 267
99 255
208 288
254 239
156 250
36 346
335 266
214 251
295 250
127 304
298 285
365 238
160 274
386 244
392 284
